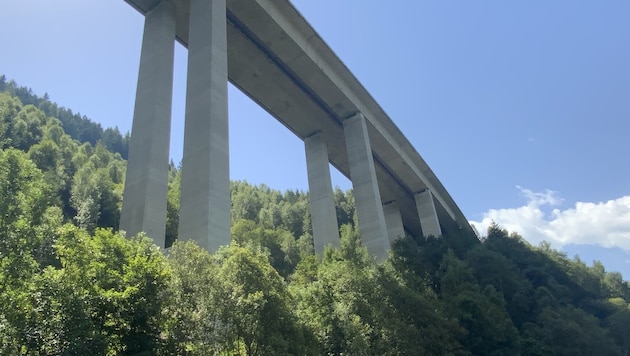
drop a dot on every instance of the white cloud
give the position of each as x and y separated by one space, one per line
604 223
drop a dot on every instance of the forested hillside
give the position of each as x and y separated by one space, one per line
71 284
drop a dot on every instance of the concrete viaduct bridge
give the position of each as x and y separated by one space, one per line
280 62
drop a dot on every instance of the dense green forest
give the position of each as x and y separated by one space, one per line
70 284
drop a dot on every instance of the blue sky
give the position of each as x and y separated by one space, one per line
522 109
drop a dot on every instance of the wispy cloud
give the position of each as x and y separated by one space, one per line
603 223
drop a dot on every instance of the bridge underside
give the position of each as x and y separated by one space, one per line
278 60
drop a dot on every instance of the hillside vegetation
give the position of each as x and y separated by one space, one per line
71 284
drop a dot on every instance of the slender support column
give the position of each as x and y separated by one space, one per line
428 216
146 183
323 213
366 193
205 195
393 220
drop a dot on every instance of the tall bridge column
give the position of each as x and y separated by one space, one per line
366 193
393 220
428 216
146 183
323 213
205 194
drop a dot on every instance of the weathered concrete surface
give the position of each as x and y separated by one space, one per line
279 61
146 183
393 220
205 189
365 187
323 213
428 215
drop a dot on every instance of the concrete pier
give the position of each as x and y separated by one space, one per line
323 213
146 183
366 193
393 220
205 195
428 216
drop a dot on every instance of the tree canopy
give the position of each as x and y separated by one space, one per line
70 283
